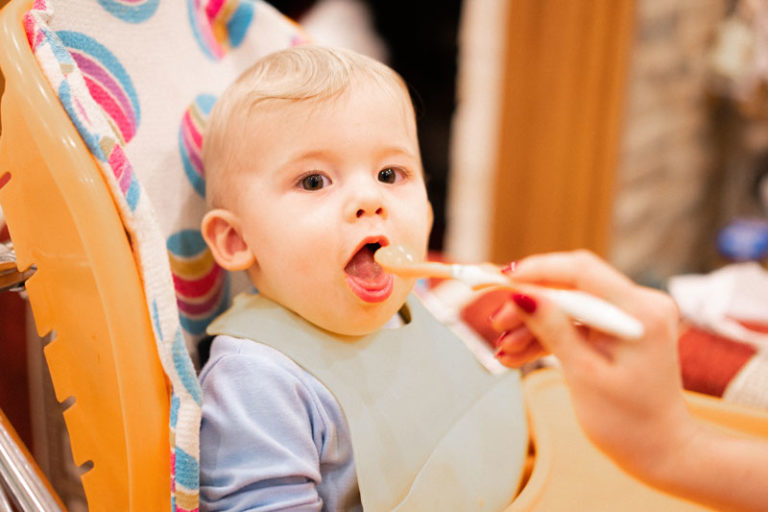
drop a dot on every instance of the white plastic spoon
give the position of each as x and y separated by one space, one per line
580 306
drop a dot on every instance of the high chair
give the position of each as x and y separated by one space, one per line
75 192
86 290
76 211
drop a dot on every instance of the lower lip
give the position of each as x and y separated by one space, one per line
377 294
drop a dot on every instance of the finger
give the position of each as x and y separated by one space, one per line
519 347
582 270
514 340
506 317
529 352
553 329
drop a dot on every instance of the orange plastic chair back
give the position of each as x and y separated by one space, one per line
61 219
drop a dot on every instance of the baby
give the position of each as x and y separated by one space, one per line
312 163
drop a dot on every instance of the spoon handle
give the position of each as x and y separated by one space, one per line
580 306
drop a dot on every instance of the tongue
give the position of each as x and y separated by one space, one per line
362 266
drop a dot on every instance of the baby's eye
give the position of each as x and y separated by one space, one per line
390 175
314 181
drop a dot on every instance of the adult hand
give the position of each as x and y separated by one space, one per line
626 394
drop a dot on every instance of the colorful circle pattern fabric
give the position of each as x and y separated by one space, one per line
219 25
103 147
108 82
202 286
191 140
132 11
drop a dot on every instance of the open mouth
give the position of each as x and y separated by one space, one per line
365 277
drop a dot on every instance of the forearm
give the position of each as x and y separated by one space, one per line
716 469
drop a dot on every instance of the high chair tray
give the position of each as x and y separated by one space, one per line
571 474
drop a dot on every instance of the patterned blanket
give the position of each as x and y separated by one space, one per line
138 79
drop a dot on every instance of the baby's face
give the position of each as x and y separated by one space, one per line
326 184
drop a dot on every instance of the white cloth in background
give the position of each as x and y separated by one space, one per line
720 302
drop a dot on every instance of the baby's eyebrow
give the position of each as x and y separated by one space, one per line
308 155
302 158
399 151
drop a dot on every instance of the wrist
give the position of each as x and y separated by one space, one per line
661 449
676 454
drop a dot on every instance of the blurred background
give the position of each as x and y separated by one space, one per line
634 128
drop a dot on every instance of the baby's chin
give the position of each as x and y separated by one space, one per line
341 312
366 322
354 317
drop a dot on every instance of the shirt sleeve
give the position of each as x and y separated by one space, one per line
259 435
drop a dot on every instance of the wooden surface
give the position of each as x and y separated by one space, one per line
566 67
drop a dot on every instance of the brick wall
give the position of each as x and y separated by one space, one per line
664 215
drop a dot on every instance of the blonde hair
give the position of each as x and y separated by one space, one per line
297 74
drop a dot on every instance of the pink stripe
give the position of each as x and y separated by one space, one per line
213 8
193 127
173 472
112 109
93 69
29 28
81 110
202 309
208 38
192 137
193 153
198 287
197 164
121 168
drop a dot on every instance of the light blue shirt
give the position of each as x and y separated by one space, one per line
272 436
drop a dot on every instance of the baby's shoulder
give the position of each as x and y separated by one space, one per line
241 357
247 371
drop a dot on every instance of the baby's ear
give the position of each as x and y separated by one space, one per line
221 231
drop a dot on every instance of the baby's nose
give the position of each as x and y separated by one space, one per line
366 201
361 212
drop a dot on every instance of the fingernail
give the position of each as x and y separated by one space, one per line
499 339
524 302
500 353
509 267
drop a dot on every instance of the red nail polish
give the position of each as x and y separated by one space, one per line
524 302
509 267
